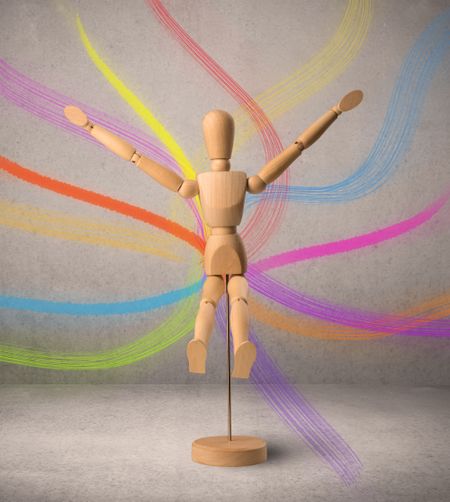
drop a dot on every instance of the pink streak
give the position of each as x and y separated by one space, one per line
352 243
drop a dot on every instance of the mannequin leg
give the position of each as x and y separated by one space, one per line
196 351
244 350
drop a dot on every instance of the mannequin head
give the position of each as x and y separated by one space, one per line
218 130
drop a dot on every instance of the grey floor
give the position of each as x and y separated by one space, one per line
132 443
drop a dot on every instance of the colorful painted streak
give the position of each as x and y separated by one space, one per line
302 326
324 67
142 111
49 105
334 58
269 138
101 309
297 412
352 243
136 104
425 313
398 128
60 225
261 229
347 316
104 201
382 324
178 325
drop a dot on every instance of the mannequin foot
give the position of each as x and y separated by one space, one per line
196 354
244 358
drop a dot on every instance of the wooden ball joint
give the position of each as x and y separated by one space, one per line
222 193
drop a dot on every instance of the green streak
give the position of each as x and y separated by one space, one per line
170 331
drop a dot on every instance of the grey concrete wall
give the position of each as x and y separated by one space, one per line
258 44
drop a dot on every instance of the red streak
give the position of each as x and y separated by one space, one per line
103 201
259 227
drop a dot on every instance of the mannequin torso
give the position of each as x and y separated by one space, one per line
222 195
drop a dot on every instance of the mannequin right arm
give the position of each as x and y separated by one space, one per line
163 175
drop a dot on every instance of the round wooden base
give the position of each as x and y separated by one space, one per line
220 451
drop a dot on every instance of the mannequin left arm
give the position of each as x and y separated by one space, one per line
274 168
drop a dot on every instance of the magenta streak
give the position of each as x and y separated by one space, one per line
352 243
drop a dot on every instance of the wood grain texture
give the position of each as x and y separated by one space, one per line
220 451
222 197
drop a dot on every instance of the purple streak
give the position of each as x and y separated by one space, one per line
356 318
297 412
49 105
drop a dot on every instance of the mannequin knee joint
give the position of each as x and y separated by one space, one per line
238 299
208 300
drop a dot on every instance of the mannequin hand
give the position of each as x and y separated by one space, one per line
349 101
77 117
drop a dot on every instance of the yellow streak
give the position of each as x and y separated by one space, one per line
324 67
60 225
138 106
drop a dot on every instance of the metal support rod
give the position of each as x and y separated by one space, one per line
227 277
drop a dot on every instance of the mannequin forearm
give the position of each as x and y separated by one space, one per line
123 149
274 168
120 147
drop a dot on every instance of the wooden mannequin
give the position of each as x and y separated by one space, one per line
222 194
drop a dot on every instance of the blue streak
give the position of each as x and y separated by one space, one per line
397 131
99 309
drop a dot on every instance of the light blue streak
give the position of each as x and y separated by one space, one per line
397 131
100 309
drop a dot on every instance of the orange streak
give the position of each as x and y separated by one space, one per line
430 310
103 201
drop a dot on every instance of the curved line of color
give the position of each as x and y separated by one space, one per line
142 111
324 67
104 201
136 104
297 412
60 225
314 75
302 326
422 314
338 314
48 105
166 334
269 137
261 229
100 309
398 127
352 243
389 232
